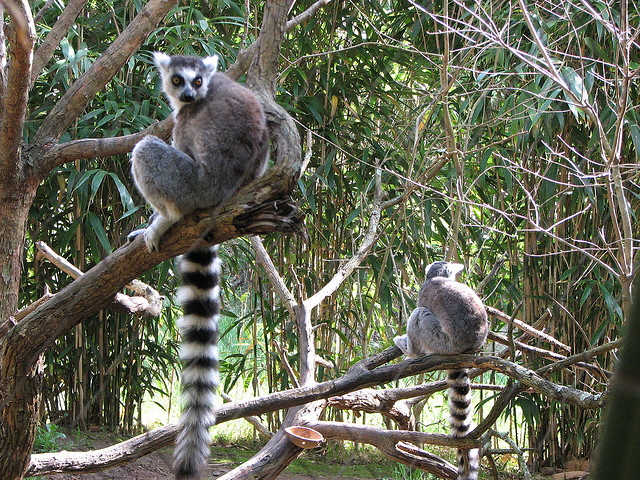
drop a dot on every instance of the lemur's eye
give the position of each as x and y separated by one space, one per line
177 80
197 81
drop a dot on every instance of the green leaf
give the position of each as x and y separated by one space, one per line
96 182
99 231
125 196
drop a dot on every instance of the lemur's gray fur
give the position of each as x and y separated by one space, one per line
220 144
450 318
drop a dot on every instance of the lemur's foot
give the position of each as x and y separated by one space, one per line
156 226
152 239
402 342
132 235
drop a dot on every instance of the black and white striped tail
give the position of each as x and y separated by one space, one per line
460 421
200 298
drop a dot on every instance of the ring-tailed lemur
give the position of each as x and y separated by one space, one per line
450 318
220 143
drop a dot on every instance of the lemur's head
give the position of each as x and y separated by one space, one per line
443 269
185 79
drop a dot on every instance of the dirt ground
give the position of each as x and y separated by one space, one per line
157 466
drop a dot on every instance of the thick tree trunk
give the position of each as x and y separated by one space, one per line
20 383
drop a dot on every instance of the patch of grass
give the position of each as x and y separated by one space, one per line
47 437
332 460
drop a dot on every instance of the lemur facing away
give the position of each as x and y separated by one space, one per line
220 144
450 318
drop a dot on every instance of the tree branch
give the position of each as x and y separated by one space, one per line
387 442
104 147
148 304
255 209
368 241
366 373
306 15
263 258
21 37
525 327
245 57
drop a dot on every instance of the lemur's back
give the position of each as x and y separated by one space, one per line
459 310
225 133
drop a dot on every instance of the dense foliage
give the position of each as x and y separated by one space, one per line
507 139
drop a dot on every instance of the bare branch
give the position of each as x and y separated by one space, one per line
525 327
368 241
147 305
21 37
245 57
254 209
286 364
579 357
306 15
263 258
104 147
366 373
38 16
252 419
521 461
376 436
30 308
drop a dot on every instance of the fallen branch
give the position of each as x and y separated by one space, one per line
366 373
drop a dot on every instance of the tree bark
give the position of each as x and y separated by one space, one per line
20 381
21 366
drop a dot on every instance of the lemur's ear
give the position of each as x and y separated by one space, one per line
210 64
162 60
454 269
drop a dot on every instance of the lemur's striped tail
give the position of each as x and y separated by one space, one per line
460 420
200 298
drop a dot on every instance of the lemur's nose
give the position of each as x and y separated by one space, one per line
187 97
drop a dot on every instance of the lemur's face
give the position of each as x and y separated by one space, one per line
444 269
185 79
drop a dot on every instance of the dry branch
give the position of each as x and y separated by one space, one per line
399 445
263 431
367 242
541 352
148 303
525 327
374 401
366 373
263 258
